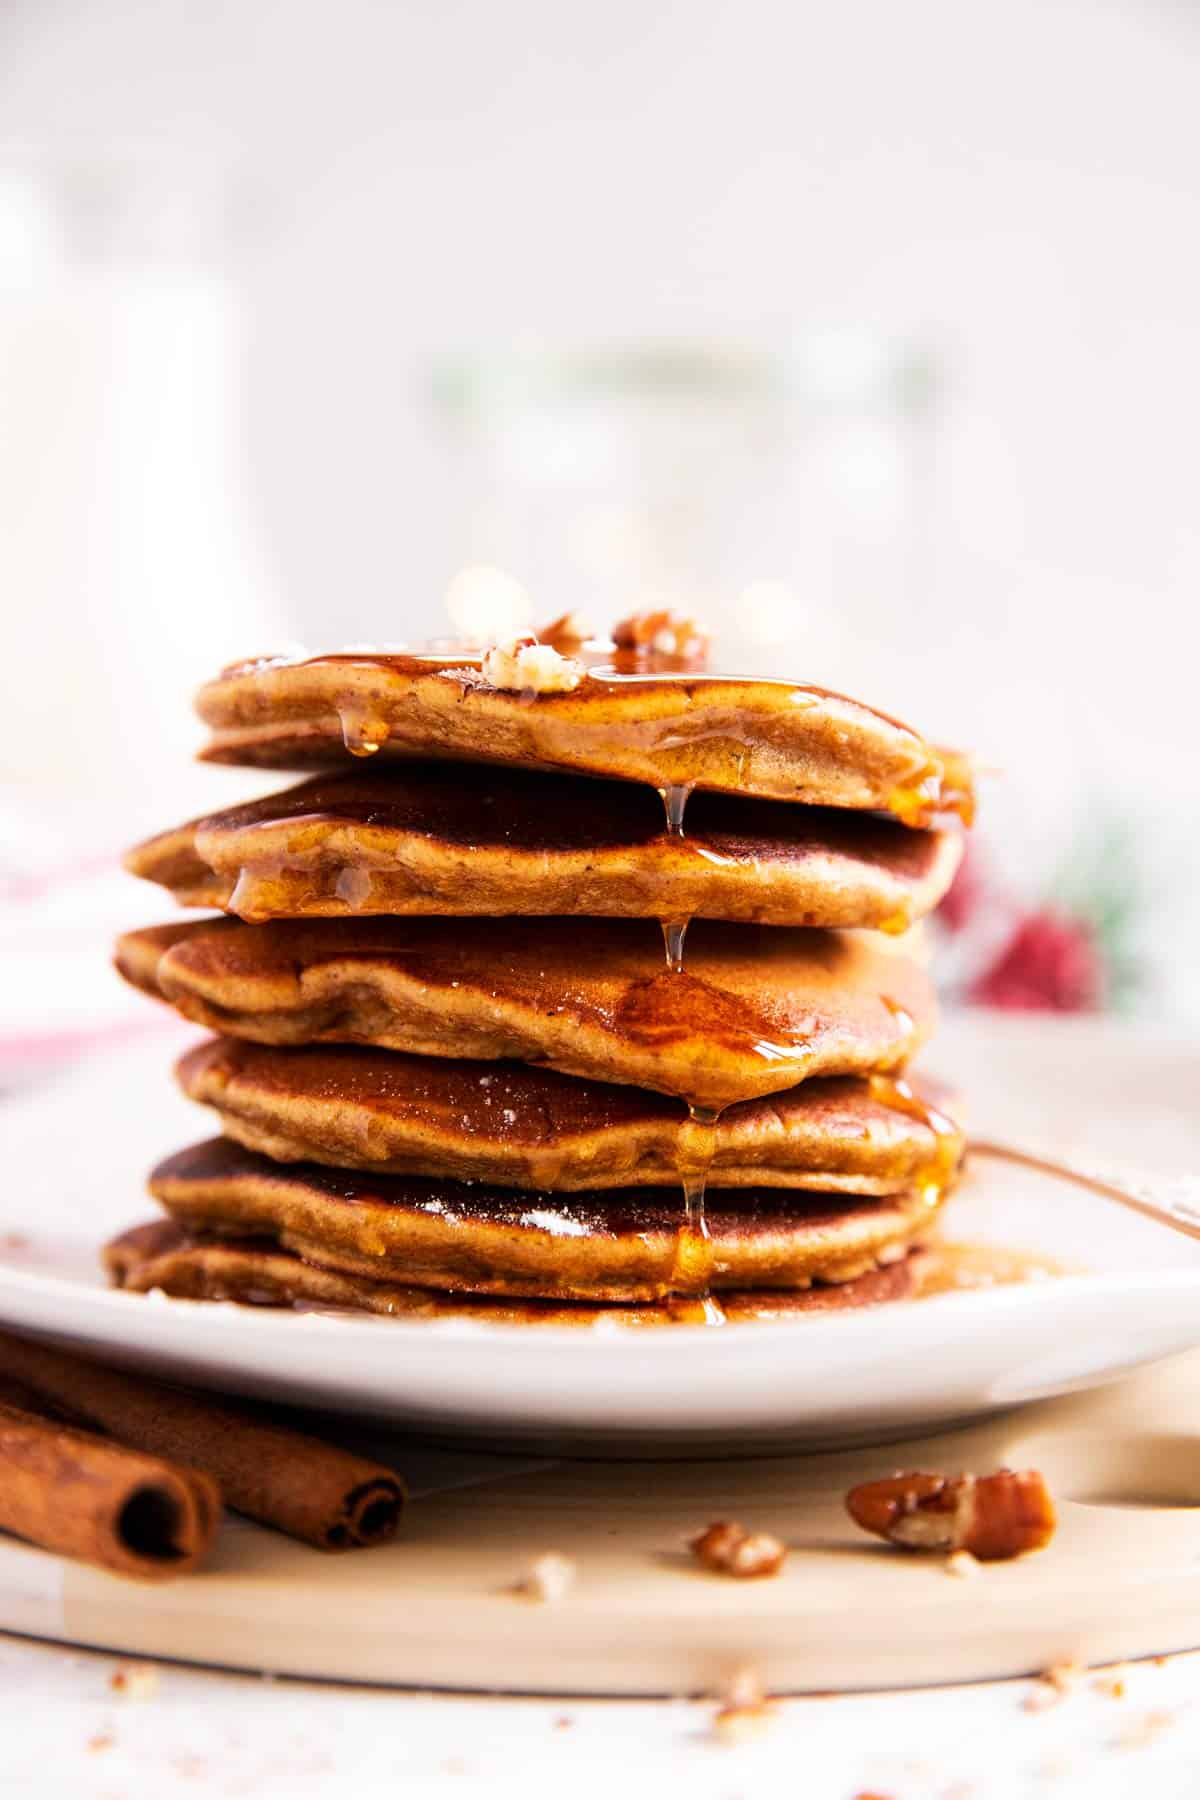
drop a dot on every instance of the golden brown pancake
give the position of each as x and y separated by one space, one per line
773 739
447 838
618 1244
528 1127
755 1010
256 1271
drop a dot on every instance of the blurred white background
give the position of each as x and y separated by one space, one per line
951 249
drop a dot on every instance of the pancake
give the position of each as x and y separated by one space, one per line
621 1244
755 1011
451 839
255 1271
775 740
526 1127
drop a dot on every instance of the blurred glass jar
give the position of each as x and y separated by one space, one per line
128 553
780 496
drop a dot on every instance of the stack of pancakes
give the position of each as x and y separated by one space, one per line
564 1006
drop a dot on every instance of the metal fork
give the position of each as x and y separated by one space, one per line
1173 1201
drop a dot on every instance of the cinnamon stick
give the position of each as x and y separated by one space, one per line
79 1494
312 1490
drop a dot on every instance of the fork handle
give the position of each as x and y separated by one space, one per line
1172 1202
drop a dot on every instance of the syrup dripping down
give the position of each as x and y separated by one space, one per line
905 1025
254 896
675 799
695 1257
699 1309
241 899
674 937
692 1302
362 733
901 1096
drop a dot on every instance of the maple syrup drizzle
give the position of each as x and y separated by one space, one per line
957 1268
698 1309
354 886
698 1139
362 733
253 897
675 799
906 1025
917 803
899 1094
674 937
697 1147
241 900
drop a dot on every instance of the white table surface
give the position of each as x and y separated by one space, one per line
65 1730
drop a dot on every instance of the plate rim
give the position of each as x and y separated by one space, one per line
1004 1298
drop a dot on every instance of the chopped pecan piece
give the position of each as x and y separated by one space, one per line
744 1708
566 633
1053 1685
135 1681
664 634
727 1548
734 1725
993 1517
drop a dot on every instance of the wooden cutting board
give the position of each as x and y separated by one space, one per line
438 1607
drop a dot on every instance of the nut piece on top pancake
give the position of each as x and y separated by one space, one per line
754 1011
662 639
769 739
450 839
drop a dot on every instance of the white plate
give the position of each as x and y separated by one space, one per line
76 1152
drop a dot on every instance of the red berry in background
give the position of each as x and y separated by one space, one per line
1050 963
966 892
